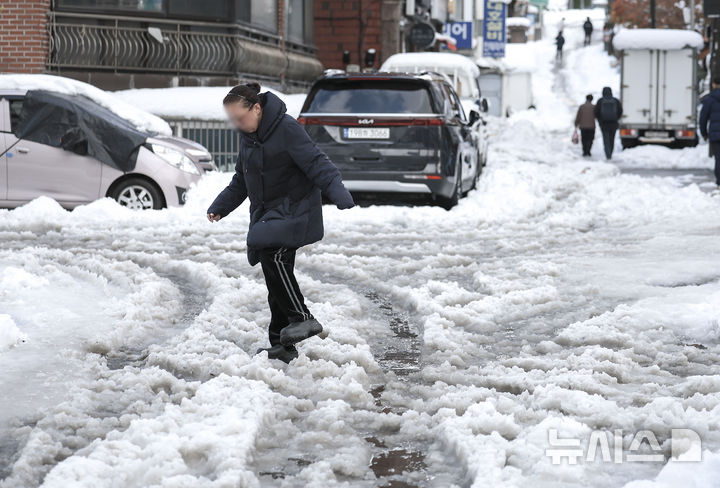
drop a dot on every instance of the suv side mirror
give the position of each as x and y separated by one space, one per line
484 105
473 117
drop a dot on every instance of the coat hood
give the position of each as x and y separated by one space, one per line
607 92
715 94
273 111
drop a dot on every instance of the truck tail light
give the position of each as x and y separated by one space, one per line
685 134
628 133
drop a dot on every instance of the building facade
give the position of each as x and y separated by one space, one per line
118 44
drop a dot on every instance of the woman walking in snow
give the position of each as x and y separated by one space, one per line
285 175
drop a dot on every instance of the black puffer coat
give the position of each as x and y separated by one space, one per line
283 172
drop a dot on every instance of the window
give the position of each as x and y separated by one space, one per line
370 97
151 6
455 9
206 9
15 110
263 13
457 106
296 20
259 13
242 11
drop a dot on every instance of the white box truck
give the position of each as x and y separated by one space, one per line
658 86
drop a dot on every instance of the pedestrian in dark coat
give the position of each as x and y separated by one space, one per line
284 174
588 28
585 121
608 111
710 124
559 43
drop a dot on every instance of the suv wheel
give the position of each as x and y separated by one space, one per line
138 194
448 203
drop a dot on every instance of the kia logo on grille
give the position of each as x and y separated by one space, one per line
365 121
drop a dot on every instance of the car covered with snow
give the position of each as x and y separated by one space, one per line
395 133
74 143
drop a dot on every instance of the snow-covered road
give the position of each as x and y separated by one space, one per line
561 294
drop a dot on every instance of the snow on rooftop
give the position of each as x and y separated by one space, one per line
141 119
517 22
428 60
519 57
657 39
194 102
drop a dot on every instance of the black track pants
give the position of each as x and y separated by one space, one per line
287 304
608 134
587 136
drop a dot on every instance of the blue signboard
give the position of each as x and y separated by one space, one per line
461 32
494 29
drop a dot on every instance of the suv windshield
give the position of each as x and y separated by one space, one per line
369 96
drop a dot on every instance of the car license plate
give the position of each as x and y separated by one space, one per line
656 134
367 133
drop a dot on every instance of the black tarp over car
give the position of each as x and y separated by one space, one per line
76 123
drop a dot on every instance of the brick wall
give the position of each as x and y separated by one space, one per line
347 25
23 35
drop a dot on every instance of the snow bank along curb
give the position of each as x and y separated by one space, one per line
195 102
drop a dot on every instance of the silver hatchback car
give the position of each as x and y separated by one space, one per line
165 168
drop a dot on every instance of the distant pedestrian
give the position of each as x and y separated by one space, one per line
608 34
559 43
588 28
710 124
585 121
608 111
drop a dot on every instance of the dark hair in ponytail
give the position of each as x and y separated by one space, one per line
247 94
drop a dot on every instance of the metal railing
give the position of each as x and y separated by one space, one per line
218 137
116 43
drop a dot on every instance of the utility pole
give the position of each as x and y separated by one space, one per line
652 14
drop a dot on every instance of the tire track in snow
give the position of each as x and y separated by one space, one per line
114 403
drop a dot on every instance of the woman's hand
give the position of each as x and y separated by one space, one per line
213 217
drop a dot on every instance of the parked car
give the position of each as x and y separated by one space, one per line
395 133
161 170
464 75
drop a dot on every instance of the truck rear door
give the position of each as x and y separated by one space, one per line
639 87
675 95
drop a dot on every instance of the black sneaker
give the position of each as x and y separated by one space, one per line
299 331
278 351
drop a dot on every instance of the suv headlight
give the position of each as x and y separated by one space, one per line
175 158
